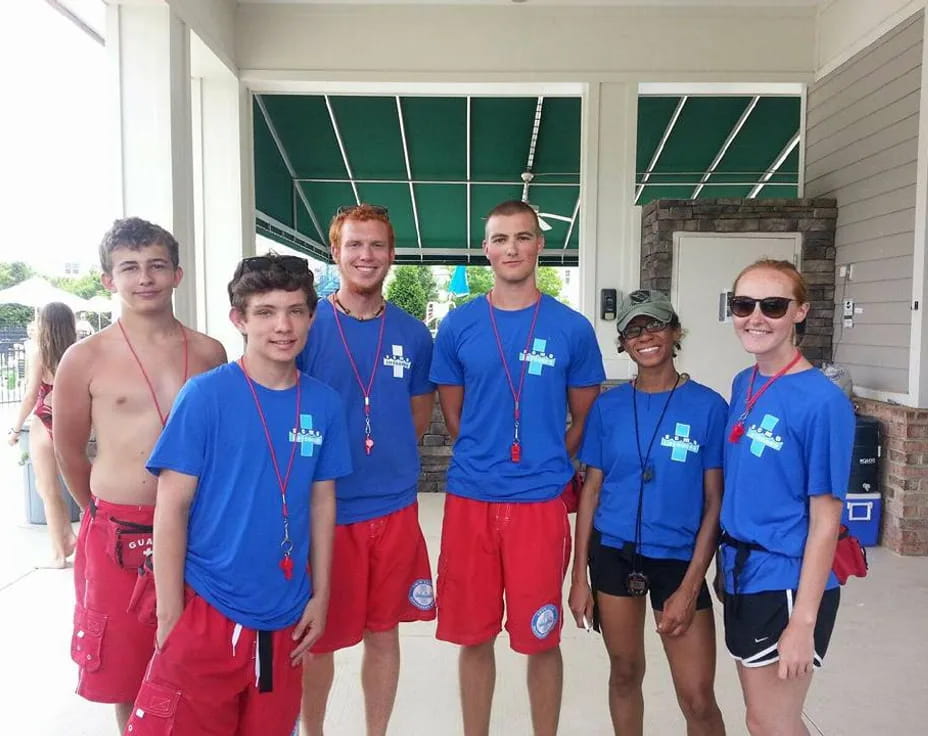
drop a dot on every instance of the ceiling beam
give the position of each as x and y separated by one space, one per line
412 193
732 134
295 235
462 182
77 20
341 147
294 182
660 146
775 166
532 144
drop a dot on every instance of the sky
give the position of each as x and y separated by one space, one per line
57 193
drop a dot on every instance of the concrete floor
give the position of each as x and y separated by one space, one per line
875 680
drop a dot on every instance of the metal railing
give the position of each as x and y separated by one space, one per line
12 365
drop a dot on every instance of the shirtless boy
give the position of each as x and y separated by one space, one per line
121 382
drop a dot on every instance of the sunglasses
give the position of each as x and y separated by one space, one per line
635 331
770 306
290 264
347 209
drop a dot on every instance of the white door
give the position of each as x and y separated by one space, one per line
704 268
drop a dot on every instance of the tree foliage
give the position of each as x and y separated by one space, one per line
86 286
406 292
549 282
14 315
480 281
427 280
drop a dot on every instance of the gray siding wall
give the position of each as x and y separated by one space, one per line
861 149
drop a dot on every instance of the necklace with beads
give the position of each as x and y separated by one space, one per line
344 309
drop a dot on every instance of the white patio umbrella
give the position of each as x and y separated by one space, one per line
36 292
99 304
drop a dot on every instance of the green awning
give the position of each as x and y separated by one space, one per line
711 147
438 163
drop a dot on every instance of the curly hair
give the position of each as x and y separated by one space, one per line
135 233
57 332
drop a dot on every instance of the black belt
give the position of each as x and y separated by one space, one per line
265 655
742 551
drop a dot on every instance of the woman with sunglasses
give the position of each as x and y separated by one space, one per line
648 519
787 462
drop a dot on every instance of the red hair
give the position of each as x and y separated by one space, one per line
362 213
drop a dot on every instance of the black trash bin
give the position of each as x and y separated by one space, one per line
865 462
35 509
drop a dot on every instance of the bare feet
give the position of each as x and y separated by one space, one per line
69 544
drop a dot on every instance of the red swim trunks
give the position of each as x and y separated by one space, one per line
213 677
380 577
491 550
110 645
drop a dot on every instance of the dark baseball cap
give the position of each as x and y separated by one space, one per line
646 302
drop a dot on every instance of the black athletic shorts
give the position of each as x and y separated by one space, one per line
610 567
754 623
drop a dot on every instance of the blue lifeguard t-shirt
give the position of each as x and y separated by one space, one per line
798 443
236 520
687 443
387 479
563 354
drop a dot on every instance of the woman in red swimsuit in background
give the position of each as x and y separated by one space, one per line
56 333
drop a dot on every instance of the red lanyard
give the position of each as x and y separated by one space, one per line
286 563
154 397
365 390
515 450
737 431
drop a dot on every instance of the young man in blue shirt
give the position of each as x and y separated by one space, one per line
246 494
377 357
508 366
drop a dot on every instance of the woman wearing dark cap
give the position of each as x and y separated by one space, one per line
648 519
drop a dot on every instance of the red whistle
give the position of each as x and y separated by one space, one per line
515 452
368 445
286 564
737 432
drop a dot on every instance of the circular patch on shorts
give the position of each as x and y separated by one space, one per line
422 595
544 621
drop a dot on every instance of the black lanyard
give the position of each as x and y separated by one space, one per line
647 471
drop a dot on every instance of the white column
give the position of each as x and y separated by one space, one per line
918 350
223 198
610 224
149 48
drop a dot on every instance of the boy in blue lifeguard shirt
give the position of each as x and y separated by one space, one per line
246 494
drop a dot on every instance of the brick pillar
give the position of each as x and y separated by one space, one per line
903 475
434 453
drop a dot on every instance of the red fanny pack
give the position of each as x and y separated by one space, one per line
129 542
850 557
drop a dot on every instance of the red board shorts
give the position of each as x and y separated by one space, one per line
110 644
213 677
380 577
489 550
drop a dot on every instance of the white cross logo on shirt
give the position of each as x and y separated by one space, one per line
397 361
